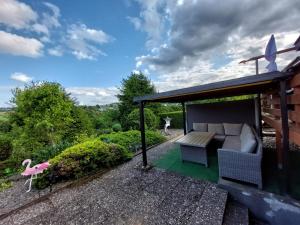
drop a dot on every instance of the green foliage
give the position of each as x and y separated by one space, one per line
137 84
44 116
225 99
5 126
48 152
75 161
131 140
5 147
151 121
117 127
5 184
177 119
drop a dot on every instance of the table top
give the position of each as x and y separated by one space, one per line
196 139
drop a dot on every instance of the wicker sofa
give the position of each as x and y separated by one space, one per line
240 156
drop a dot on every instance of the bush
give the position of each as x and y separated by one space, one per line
75 161
151 121
131 140
5 126
5 147
49 152
176 122
116 127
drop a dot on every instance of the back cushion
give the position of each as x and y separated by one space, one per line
216 128
233 128
200 127
248 141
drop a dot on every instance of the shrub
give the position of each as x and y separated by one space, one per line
5 147
117 127
74 161
177 119
49 152
5 126
131 140
151 121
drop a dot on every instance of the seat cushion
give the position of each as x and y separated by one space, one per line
220 137
232 128
232 142
200 127
248 141
216 128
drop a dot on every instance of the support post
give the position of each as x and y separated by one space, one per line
184 117
143 137
285 136
258 118
256 66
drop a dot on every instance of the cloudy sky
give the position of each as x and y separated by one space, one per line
89 48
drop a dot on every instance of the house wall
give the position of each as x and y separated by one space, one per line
242 111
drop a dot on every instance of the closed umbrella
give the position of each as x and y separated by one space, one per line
270 54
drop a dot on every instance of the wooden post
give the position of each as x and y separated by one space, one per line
285 136
258 118
184 118
143 137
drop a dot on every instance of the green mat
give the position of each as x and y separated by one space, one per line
172 162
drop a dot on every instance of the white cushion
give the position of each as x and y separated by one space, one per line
200 127
232 128
217 128
248 141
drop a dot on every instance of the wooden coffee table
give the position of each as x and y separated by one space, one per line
193 146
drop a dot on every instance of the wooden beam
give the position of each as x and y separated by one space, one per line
276 124
294 99
294 116
143 136
285 137
184 118
295 135
295 82
279 149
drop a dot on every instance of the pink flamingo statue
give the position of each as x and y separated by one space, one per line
33 171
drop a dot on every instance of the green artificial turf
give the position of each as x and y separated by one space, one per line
171 161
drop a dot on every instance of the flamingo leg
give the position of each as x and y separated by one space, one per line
30 182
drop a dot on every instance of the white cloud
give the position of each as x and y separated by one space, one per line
22 77
93 95
84 42
18 45
16 14
137 23
40 28
51 20
55 51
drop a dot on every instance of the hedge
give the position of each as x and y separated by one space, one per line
83 158
131 140
176 121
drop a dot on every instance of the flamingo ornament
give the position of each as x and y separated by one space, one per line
33 171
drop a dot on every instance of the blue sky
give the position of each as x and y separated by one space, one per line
90 46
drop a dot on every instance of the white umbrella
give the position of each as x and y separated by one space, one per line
270 54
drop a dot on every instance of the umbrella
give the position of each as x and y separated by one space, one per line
270 54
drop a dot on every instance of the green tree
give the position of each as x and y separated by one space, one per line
44 116
151 121
137 84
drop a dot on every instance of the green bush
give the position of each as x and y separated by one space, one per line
75 161
151 121
5 126
176 122
49 152
5 147
131 140
117 127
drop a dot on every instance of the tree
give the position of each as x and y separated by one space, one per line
44 116
151 121
137 84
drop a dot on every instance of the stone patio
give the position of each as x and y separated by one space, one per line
128 195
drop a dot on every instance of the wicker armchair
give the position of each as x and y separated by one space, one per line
240 165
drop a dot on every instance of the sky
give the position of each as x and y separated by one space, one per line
90 46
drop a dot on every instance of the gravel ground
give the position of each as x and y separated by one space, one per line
125 195
15 197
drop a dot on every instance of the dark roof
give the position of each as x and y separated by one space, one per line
239 86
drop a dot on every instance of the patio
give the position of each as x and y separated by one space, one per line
128 195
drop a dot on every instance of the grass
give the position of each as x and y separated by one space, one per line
5 184
4 116
171 161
